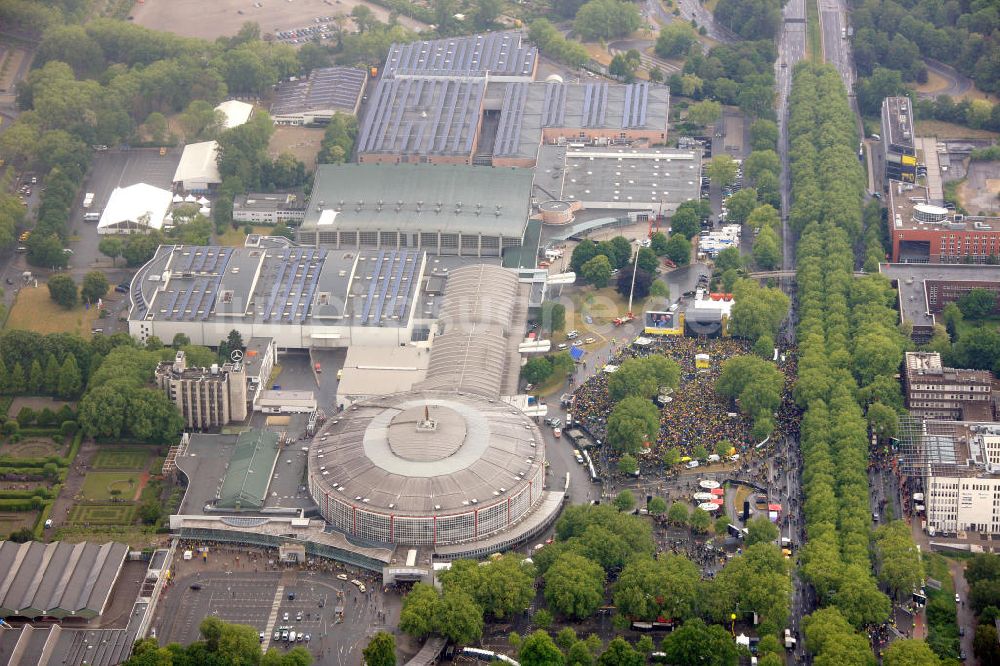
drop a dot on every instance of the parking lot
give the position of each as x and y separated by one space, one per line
255 593
111 169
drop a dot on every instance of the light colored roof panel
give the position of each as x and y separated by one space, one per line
237 112
199 161
134 203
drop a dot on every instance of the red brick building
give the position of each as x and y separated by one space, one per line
923 232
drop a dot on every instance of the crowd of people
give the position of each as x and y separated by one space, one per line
694 414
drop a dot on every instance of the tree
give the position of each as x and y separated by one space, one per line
658 243
883 420
584 251
579 655
536 370
538 649
678 514
984 644
416 617
762 217
664 587
640 287
763 135
597 271
620 653
696 643
761 530
722 170
750 19
566 638
95 286
643 377
70 380
625 500
729 259
150 511
62 290
553 316
679 249
909 652
705 112
767 249
657 506
700 520
740 204
977 303
606 19
757 310
381 650
111 247
675 39
685 221
759 162
627 464
574 586
502 589
622 67
756 384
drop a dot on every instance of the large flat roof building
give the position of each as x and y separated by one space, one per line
434 208
300 297
501 55
58 579
934 391
318 96
475 120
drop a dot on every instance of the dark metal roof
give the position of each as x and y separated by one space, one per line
336 88
58 579
496 53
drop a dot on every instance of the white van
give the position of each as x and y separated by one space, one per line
91 217
692 464
291 636
714 458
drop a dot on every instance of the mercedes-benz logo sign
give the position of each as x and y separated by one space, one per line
236 356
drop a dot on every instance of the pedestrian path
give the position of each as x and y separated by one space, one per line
273 617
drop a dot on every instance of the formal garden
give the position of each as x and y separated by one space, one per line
38 444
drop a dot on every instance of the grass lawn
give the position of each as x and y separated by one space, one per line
12 521
33 310
102 514
97 486
813 36
236 237
121 459
943 130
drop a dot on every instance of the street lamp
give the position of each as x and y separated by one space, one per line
635 268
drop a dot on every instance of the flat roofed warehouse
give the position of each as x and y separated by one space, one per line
315 98
58 579
250 469
437 208
502 55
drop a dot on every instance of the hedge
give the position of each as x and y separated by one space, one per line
42 517
18 505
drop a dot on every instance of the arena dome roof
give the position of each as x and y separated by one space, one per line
427 457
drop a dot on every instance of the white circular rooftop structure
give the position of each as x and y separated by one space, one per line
427 467
929 213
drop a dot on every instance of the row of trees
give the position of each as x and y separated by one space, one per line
596 545
221 644
849 349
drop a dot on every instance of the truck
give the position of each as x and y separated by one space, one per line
88 200
789 640
624 319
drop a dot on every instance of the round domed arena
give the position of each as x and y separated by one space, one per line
427 467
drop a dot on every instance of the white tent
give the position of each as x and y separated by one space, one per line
203 201
135 209
178 198
198 169
190 199
236 112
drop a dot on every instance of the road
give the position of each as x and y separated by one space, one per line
958 84
791 49
836 46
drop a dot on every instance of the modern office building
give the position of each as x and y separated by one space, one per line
957 465
924 231
934 391
207 398
898 145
